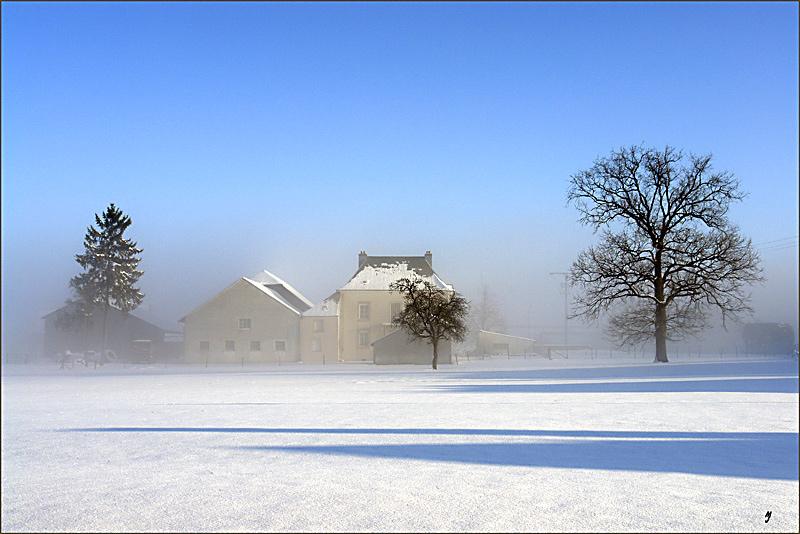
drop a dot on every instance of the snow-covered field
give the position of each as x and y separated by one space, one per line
486 445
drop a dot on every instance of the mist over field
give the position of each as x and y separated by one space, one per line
297 155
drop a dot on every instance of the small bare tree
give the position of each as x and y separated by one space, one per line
671 254
486 313
431 313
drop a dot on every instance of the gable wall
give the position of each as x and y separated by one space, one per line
218 321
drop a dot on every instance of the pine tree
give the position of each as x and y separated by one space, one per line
110 269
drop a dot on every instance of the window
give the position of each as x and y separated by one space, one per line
244 324
363 338
363 311
204 346
397 307
230 345
255 346
319 326
280 345
316 344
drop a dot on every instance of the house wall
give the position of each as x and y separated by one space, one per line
378 325
218 321
328 338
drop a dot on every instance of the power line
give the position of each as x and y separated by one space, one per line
794 237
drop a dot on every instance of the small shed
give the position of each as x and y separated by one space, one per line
399 348
503 344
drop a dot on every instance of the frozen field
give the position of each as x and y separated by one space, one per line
490 445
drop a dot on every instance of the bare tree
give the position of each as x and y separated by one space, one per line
431 313
668 253
486 313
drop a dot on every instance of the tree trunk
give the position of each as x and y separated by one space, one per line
661 313
105 319
661 333
435 353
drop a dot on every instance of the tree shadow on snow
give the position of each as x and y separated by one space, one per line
768 455
769 368
729 385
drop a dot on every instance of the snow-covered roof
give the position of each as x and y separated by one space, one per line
271 280
327 308
271 286
379 276
274 294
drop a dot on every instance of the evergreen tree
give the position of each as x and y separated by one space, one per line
110 269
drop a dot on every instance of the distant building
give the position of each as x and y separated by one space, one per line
255 319
264 319
130 337
364 308
398 347
495 343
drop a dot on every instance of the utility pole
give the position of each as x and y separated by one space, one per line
566 308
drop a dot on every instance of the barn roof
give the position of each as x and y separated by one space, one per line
271 286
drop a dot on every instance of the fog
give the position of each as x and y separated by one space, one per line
186 264
336 130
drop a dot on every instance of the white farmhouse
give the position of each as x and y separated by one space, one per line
255 319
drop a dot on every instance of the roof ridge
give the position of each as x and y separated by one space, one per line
263 288
290 287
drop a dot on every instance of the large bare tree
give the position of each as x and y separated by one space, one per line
431 313
668 253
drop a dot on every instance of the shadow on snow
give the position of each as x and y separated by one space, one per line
769 368
768 455
768 458
730 385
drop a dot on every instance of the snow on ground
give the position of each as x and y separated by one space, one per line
517 445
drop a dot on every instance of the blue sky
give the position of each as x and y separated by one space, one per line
291 136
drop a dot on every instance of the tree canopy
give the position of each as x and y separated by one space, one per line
431 313
668 253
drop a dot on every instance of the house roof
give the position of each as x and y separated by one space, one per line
327 308
500 334
112 309
271 286
274 294
287 290
379 272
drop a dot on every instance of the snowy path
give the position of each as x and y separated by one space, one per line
492 445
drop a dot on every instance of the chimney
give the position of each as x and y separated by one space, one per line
362 259
429 258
